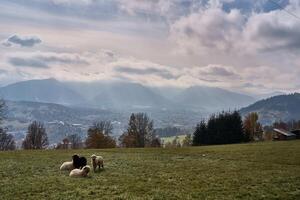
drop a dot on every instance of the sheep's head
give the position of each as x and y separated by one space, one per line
75 157
86 169
93 156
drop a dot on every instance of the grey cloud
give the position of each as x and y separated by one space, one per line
24 41
67 59
2 71
251 85
43 60
218 71
27 62
273 36
159 72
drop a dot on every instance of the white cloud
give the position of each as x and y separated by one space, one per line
209 29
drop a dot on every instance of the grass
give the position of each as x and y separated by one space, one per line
269 170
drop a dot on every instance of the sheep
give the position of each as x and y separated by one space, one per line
79 162
80 172
67 166
97 161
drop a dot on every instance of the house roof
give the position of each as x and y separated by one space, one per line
284 132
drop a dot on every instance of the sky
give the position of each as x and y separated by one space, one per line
240 45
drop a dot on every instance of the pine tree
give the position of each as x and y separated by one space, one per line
199 136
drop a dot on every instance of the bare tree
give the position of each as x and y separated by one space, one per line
36 137
75 140
105 127
3 110
7 141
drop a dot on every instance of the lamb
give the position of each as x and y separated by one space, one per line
97 161
79 162
67 166
80 172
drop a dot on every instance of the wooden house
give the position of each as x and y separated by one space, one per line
280 134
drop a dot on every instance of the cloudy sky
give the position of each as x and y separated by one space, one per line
241 45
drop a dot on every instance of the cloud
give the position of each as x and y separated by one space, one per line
27 62
45 59
69 2
148 71
217 70
23 41
212 29
273 31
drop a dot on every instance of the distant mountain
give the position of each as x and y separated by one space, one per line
268 95
125 96
122 95
282 107
212 99
47 90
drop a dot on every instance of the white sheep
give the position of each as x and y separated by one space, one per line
67 166
97 161
80 172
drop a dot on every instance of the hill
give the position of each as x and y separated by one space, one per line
269 170
46 90
125 96
59 120
212 99
282 107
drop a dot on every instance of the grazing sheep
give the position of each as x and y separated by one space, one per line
80 172
79 162
67 166
97 161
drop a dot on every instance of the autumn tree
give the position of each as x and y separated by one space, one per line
36 137
187 141
253 129
99 136
140 131
156 142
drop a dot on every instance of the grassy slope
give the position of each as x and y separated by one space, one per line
246 171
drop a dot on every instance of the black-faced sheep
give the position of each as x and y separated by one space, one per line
80 172
79 162
67 166
97 161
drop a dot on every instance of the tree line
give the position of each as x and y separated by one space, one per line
227 128
221 128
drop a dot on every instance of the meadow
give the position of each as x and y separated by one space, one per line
266 170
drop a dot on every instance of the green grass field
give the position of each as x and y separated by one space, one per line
268 170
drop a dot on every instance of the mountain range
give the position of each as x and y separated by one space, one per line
66 107
277 108
124 95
